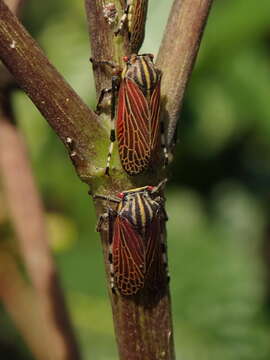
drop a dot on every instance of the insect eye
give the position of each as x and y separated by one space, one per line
120 195
151 56
125 59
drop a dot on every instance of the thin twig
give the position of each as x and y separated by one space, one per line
177 55
27 311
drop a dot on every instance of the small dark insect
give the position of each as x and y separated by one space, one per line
134 17
138 124
137 252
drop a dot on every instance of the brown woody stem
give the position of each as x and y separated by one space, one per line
56 100
143 323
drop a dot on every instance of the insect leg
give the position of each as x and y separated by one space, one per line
103 219
123 18
111 216
103 62
101 97
108 198
164 247
163 219
165 256
159 186
163 142
115 82
106 90
113 90
108 217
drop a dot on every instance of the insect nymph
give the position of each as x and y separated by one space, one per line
137 251
138 124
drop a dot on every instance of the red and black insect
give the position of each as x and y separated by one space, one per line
138 123
137 252
134 18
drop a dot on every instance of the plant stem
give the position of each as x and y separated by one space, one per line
177 55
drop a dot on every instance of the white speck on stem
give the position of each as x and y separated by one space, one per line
13 44
110 13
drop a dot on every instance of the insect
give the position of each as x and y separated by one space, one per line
138 124
137 250
134 17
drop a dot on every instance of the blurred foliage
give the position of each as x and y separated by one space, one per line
218 196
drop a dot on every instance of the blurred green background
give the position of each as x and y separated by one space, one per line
217 197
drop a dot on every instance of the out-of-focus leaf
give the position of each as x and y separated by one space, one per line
62 232
233 25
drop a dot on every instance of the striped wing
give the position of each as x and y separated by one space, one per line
136 24
155 116
128 253
155 272
133 128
